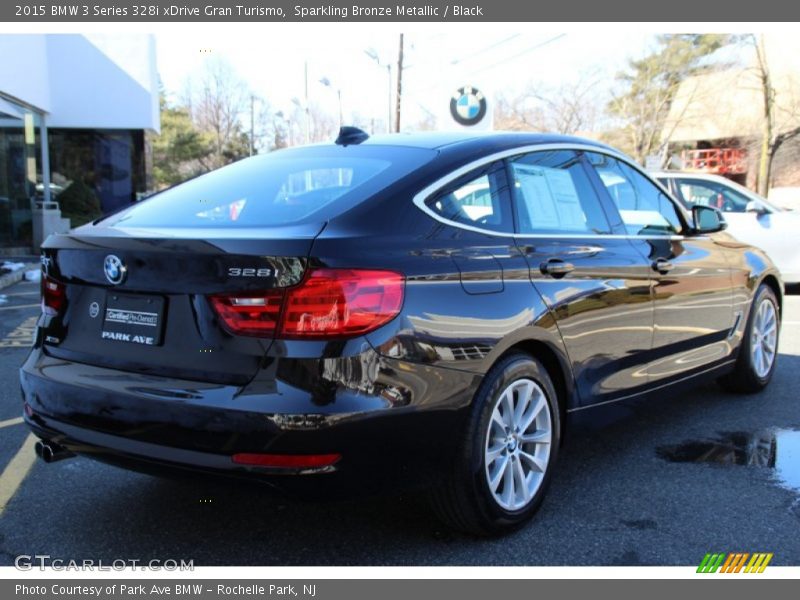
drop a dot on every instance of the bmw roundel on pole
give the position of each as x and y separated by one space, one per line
468 106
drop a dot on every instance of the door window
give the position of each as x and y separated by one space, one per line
553 194
479 199
643 207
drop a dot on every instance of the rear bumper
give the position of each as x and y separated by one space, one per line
155 423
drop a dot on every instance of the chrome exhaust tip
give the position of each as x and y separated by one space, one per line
50 452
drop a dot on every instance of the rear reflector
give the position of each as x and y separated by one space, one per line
53 295
286 461
328 303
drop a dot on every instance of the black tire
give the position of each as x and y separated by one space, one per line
463 499
744 379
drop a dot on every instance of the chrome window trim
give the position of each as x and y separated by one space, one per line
420 198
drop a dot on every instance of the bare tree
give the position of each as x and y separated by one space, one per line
269 130
570 108
516 113
322 126
780 115
218 108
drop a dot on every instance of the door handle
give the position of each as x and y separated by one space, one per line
662 265
556 267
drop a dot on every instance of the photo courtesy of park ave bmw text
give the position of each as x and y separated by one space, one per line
335 299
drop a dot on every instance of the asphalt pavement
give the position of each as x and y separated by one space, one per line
616 498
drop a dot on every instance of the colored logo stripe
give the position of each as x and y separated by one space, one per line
710 563
758 563
733 562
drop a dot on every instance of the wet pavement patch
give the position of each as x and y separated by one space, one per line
777 449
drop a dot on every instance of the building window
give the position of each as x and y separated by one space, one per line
111 164
20 171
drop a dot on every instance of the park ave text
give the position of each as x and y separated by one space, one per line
167 589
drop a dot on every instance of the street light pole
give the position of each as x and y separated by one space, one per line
327 83
373 54
308 114
399 85
252 123
389 79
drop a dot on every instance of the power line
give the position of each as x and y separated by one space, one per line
522 53
427 88
486 49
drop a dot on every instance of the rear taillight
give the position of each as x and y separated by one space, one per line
328 303
249 314
53 295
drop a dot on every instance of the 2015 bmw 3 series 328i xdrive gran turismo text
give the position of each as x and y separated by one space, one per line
429 307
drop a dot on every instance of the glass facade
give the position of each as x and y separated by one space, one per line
20 171
111 163
107 165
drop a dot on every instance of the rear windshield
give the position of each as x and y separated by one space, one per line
281 188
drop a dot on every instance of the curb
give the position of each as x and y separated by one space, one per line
15 276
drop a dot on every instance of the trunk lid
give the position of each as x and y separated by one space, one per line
137 300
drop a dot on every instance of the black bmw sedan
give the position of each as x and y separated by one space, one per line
432 307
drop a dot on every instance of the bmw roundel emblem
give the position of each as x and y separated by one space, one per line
114 269
468 105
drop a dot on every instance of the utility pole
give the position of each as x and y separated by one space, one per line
372 53
308 112
389 78
252 123
399 85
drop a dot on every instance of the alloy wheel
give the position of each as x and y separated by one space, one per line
764 338
517 449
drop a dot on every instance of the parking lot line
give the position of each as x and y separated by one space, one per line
11 422
19 306
16 471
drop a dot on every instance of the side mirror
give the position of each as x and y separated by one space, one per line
707 219
755 207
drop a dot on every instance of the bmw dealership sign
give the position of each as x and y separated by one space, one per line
469 108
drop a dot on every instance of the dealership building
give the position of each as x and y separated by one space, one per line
716 120
73 108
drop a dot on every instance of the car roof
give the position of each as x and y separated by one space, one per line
462 140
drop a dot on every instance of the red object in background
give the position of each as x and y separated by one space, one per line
721 161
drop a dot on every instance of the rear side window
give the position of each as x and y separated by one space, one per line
553 194
479 199
281 188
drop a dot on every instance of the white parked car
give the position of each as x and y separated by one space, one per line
751 218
